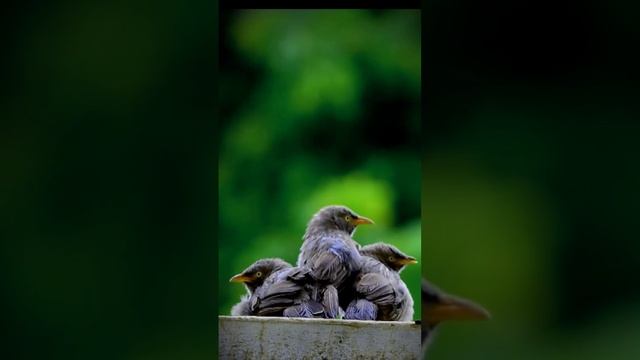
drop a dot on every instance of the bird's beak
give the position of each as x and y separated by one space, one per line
240 278
408 260
361 220
453 308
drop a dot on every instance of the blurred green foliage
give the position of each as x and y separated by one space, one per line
319 108
108 161
519 239
530 182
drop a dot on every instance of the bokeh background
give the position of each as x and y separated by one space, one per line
530 182
108 139
107 187
317 108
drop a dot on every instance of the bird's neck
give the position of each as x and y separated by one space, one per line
326 229
251 287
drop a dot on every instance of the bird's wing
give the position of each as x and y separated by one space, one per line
277 297
299 274
361 309
328 266
335 259
306 309
376 288
404 309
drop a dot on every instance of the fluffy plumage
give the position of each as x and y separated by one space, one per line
330 254
275 288
243 308
380 293
284 293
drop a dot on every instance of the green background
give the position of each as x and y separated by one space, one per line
108 145
107 187
530 183
318 108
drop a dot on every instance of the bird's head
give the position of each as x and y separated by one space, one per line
389 255
438 307
337 217
254 275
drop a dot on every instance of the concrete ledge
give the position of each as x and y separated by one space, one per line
251 337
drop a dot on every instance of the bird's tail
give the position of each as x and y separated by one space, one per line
361 309
331 302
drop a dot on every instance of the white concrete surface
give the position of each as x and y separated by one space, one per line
250 337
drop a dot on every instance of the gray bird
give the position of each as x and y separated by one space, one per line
275 288
380 293
438 306
330 253
253 277
285 293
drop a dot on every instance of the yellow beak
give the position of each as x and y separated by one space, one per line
453 308
240 278
408 261
361 220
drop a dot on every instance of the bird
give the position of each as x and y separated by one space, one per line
380 293
437 306
285 293
275 288
253 277
330 253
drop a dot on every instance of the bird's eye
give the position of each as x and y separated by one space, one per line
347 218
259 274
392 259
